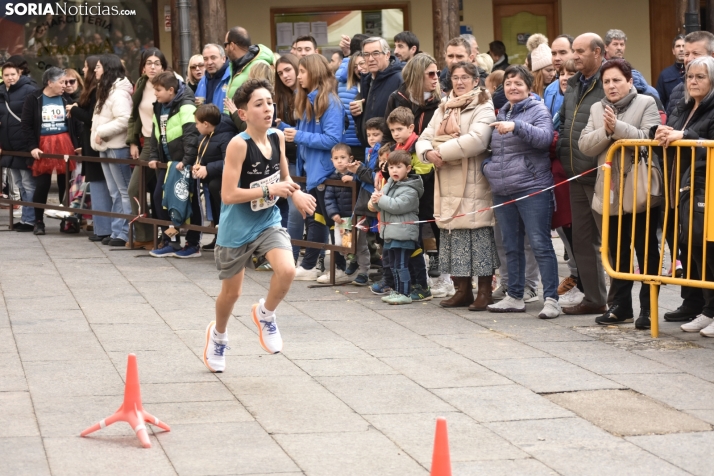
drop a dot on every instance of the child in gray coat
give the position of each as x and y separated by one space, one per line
398 207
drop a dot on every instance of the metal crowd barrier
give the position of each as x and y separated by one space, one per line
621 152
143 206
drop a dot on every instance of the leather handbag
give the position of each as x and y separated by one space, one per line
644 184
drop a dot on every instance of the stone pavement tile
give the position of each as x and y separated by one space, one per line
135 337
530 467
184 392
44 322
242 386
193 320
317 411
447 369
574 446
12 375
23 455
69 416
17 417
501 403
348 454
337 367
549 375
378 334
383 394
7 340
681 391
490 346
531 330
60 379
468 440
224 448
425 320
41 302
689 451
241 340
74 346
101 454
336 310
602 358
206 413
704 415
170 365
125 314
274 365
627 413
338 348
697 362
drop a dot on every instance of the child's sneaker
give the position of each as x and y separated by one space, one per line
380 288
361 280
214 351
351 268
167 251
420 294
189 251
396 298
268 332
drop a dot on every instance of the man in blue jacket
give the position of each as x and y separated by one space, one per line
384 76
673 75
212 87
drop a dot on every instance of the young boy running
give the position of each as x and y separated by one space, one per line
255 174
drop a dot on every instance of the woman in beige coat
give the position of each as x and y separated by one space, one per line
623 114
456 142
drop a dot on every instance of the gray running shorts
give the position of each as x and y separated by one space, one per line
231 261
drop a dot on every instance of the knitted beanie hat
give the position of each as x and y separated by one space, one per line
541 55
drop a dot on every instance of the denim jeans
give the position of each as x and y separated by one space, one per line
532 273
532 217
118 177
296 223
24 182
102 201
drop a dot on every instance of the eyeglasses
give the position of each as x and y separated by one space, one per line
155 64
197 66
225 45
461 79
432 74
70 82
374 54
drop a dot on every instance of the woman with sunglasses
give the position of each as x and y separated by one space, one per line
138 139
196 70
73 84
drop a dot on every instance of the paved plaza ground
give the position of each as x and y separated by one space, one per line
356 390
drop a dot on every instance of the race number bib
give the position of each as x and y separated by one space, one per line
261 203
53 117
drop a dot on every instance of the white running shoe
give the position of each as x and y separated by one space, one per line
708 331
571 298
440 287
340 277
500 292
302 274
214 350
530 294
268 332
508 304
551 309
698 324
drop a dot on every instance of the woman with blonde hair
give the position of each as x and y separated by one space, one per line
196 70
73 84
320 126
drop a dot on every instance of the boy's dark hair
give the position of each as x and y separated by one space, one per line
385 148
399 157
356 43
401 115
242 96
408 38
342 146
309 38
377 123
497 47
208 113
166 80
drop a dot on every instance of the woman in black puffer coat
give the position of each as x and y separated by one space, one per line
13 91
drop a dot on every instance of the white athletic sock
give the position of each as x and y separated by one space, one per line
446 277
264 313
220 336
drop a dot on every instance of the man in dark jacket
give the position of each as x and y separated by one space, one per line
584 90
384 76
673 75
457 50
497 50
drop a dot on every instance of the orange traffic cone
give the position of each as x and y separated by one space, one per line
441 461
131 411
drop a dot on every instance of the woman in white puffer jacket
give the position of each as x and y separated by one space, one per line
109 128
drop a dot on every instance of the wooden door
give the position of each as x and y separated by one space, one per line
515 20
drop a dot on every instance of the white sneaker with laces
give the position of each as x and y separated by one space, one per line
698 324
340 277
500 292
530 294
450 289
440 287
708 331
268 333
214 350
302 274
508 304
571 298
551 309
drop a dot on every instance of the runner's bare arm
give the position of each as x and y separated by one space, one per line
303 202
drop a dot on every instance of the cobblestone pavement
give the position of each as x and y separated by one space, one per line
355 392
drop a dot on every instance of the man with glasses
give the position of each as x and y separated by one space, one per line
383 77
214 84
243 56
